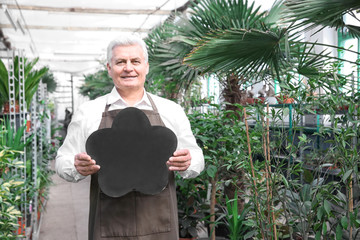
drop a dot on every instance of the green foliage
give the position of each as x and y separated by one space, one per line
11 184
223 37
49 80
190 196
312 13
236 221
97 84
166 55
32 78
219 133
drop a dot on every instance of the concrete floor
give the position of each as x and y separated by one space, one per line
67 211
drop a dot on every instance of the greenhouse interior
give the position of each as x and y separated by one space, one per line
269 90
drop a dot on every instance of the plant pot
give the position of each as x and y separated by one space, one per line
28 125
21 228
6 108
284 99
260 100
250 101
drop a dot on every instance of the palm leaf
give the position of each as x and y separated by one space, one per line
166 54
244 51
4 92
325 13
214 15
96 84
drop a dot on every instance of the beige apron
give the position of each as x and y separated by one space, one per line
135 216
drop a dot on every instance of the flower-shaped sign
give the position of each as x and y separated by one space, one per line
132 154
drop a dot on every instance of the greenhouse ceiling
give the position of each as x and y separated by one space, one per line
72 36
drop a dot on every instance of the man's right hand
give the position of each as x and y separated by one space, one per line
85 165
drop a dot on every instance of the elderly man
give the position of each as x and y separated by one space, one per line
135 216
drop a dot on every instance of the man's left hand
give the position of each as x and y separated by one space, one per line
180 161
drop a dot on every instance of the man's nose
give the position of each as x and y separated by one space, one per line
128 66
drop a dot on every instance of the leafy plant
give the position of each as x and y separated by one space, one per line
237 220
31 79
219 133
190 197
11 183
49 79
96 84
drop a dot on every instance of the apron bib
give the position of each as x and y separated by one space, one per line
135 216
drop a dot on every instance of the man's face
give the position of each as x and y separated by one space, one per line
128 67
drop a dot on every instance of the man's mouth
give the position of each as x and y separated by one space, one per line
128 76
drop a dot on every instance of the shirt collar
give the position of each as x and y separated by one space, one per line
114 97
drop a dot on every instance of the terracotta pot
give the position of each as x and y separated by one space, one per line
21 228
28 125
260 100
284 99
250 101
6 108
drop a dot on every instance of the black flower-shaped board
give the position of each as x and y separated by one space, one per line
132 154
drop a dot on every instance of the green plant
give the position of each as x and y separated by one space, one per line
11 183
31 79
49 79
97 84
190 196
236 220
233 39
11 139
219 133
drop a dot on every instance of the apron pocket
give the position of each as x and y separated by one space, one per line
153 213
135 214
117 216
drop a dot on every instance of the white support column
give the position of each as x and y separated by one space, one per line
34 148
11 81
22 122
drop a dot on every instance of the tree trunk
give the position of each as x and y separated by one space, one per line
232 94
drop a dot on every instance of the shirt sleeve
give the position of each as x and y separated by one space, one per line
186 140
73 144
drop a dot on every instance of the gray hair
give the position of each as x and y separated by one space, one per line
126 40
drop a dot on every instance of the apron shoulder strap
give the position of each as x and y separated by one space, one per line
152 103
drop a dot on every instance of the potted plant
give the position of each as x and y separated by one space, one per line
11 184
190 195
31 79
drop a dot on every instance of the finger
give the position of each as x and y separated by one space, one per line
172 168
88 170
82 156
181 152
84 162
179 159
179 166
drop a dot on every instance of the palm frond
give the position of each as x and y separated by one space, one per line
210 15
166 53
324 13
239 50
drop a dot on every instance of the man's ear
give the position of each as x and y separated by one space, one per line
108 68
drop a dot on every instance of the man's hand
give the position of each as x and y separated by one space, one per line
85 165
180 161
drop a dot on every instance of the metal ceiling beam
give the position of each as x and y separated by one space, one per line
62 28
90 10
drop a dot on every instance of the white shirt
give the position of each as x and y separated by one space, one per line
87 120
